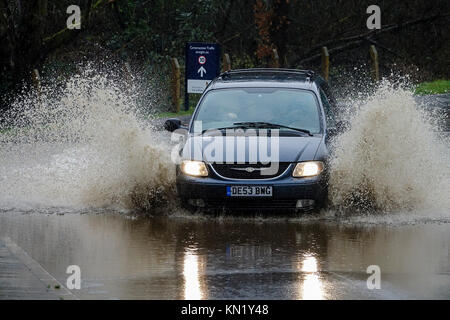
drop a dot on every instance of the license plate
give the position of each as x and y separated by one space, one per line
249 191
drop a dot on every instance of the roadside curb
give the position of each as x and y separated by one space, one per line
38 271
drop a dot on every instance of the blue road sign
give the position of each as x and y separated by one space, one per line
202 65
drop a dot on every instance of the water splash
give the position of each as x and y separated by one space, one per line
82 145
390 159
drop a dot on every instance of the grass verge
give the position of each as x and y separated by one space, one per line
434 87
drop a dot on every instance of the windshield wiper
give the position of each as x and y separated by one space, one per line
259 124
224 128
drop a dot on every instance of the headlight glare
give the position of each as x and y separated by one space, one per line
307 169
194 168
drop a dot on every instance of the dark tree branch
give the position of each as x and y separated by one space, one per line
364 37
347 46
378 45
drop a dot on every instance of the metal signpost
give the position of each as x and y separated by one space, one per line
202 66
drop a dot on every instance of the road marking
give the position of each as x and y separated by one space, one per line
36 269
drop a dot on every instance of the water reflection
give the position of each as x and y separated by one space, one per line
172 258
312 285
191 275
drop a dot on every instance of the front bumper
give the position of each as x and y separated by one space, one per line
286 192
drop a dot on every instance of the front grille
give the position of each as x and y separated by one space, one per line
251 171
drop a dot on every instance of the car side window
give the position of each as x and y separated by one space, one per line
327 107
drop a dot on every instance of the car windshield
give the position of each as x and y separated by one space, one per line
286 107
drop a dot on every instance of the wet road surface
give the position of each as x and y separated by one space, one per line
197 257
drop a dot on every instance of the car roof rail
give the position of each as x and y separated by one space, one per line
307 73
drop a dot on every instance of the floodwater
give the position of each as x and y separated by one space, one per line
83 181
197 257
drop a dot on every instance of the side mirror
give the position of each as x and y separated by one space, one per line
172 124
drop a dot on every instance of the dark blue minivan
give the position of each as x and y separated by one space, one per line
257 140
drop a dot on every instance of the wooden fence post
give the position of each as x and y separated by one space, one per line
36 81
275 59
226 62
375 66
325 63
127 72
175 84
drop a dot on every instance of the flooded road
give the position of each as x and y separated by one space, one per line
197 257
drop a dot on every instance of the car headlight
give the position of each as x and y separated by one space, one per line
194 168
307 169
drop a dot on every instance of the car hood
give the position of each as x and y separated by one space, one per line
260 149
